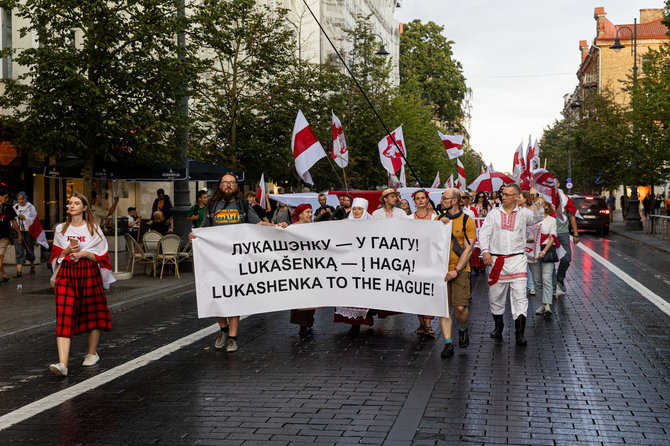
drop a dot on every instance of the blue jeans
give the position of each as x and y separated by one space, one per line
20 248
543 278
531 282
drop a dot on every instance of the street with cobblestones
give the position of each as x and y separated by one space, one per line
596 372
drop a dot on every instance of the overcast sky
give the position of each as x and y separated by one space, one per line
519 57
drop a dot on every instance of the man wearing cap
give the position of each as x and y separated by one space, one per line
388 200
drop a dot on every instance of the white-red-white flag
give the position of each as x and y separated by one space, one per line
532 156
340 150
483 171
450 182
261 199
490 169
390 156
545 184
460 184
519 164
37 232
307 150
436 182
403 178
452 144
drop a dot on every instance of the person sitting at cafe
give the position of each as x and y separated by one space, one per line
159 224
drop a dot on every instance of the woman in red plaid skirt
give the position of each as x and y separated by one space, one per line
80 253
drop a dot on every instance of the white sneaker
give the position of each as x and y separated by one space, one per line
59 369
540 309
90 360
559 290
232 346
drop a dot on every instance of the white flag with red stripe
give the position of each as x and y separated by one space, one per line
260 194
452 144
390 156
490 169
307 150
340 150
436 182
37 232
519 164
403 178
483 171
460 184
545 184
450 182
532 156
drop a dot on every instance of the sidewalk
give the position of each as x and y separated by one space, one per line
618 227
32 308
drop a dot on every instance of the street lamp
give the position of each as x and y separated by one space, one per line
633 221
382 50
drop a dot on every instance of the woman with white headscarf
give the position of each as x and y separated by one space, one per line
352 315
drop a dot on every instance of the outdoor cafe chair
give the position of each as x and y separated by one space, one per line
150 241
186 255
137 254
168 252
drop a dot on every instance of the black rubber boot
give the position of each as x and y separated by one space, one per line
498 329
519 328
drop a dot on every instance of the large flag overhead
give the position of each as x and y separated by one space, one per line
391 158
260 194
307 150
436 182
452 144
519 164
340 150
460 184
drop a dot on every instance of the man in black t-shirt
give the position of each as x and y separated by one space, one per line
325 212
7 223
342 211
251 198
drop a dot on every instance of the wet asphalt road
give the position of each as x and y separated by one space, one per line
596 373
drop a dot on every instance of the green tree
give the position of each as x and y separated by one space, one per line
103 83
427 66
666 17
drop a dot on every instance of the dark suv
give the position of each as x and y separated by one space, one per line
595 212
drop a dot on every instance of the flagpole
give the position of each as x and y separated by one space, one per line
388 132
346 186
334 170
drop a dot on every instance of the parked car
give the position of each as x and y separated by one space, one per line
595 212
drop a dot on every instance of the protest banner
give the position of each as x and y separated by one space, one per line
395 264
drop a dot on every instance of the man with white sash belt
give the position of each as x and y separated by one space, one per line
502 238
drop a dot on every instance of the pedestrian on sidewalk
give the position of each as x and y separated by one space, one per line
7 223
226 207
463 236
24 245
80 259
503 242
526 201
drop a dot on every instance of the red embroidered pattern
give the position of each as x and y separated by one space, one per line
512 276
507 221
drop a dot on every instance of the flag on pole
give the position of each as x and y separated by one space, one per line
390 156
532 156
37 232
452 144
460 184
260 194
545 184
490 169
483 171
307 150
450 182
403 179
519 164
436 182
340 150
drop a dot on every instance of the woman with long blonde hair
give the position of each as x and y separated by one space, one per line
80 260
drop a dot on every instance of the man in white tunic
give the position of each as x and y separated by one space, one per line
503 239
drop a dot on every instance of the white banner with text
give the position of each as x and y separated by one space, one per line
394 264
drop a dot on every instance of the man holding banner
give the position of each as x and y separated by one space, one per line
226 208
458 276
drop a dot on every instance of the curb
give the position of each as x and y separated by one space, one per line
635 239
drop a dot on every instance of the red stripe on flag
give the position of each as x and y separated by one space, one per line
450 145
304 139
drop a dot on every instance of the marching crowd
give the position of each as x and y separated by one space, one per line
518 236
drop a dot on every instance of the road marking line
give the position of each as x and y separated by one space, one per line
652 297
53 400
